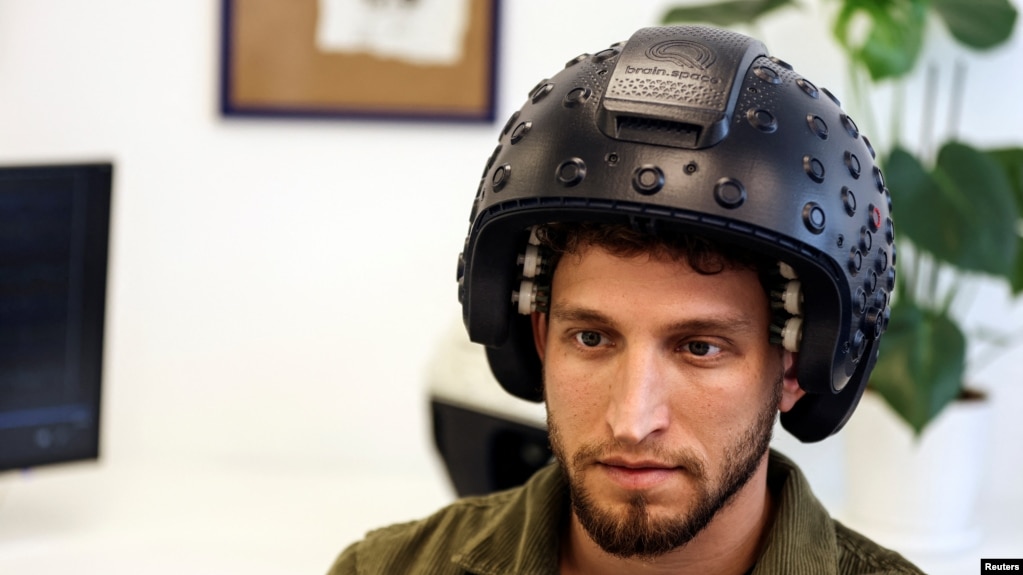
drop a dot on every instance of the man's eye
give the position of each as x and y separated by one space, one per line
701 348
589 338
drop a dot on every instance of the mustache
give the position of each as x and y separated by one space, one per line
593 453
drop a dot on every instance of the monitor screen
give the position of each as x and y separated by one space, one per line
54 228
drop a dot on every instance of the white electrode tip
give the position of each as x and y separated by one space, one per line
792 334
525 297
531 261
793 298
533 239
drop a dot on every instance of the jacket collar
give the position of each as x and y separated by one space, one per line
802 532
524 537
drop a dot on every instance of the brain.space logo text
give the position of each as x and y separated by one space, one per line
693 57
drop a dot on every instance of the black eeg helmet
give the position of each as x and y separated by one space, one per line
698 128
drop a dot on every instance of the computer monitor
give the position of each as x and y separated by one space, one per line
54 229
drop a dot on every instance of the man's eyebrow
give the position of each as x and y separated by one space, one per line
728 322
579 314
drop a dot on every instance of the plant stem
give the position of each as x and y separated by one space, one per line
956 289
857 84
955 106
911 272
897 113
928 119
929 281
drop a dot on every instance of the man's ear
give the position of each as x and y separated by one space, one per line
539 321
790 390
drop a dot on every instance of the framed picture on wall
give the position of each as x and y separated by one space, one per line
412 59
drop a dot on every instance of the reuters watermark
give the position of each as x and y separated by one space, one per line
1001 565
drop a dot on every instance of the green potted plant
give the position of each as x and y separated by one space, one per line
957 211
957 208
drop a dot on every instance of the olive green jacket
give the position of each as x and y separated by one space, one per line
516 532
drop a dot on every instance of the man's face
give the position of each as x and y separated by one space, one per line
661 389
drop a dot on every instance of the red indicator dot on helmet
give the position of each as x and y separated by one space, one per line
875 218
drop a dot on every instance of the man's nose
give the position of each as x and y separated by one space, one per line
638 405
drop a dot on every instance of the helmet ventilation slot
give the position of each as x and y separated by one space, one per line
660 132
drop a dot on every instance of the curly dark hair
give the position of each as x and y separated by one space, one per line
703 254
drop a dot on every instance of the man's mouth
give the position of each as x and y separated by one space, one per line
637 474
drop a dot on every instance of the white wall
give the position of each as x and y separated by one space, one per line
277 287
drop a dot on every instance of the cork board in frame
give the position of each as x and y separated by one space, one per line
359 58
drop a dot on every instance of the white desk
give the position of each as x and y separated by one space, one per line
183 519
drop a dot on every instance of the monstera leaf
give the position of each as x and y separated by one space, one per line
921 363
1011 160
724 13
891 47
980 24
963 211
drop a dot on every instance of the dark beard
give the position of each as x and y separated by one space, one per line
636 534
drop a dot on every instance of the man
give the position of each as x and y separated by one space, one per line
676 239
